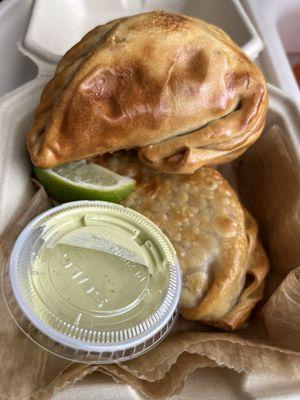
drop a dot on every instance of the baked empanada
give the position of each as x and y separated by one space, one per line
174 86
223 263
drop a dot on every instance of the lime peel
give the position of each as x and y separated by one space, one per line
80 180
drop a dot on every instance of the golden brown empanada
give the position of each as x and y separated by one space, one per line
174 86
223 263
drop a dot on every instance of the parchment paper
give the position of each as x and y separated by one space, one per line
268 181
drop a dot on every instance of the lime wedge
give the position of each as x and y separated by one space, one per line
84 181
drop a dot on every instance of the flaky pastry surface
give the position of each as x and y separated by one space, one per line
222 261
176 87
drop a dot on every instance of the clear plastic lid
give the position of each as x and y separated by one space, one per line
93 282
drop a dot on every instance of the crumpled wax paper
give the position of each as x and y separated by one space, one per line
269 183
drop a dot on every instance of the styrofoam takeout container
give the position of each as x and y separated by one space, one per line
45 45
278 22
282 112
16 111
72 20
16 68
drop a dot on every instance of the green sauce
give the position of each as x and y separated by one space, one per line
97 275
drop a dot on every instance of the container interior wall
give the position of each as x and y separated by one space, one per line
16 69
269 185
71 23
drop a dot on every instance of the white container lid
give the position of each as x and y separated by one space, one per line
55 26
280 31
93 282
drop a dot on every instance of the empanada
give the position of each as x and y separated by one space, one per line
222 261
174 86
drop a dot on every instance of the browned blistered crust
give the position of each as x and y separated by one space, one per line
173 86
214 236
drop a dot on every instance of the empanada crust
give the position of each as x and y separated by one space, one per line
215 238
176 87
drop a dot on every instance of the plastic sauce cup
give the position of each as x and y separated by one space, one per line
93 281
